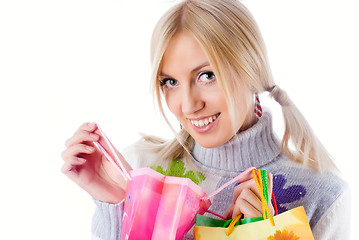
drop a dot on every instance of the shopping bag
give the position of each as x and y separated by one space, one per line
290 225
160 207
202 220
156 206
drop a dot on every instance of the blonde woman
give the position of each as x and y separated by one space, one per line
209 65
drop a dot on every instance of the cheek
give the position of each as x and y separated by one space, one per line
173 104
217 99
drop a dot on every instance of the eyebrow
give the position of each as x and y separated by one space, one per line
205 64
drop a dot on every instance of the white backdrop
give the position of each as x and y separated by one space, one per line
66 62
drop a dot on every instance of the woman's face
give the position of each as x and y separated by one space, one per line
193 94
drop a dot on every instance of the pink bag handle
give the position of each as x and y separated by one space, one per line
119 166
239 178
115 161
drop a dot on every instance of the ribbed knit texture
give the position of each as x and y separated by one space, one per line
107 219
257 147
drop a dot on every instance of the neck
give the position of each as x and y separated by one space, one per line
250 121
253 147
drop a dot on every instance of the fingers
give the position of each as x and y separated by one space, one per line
83 134
228 213
248 204
71 163
245 207
270 184
249 184
270 191
76 150
77 147
80 142
247 200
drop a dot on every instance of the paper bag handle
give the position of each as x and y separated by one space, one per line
116 161
236 179
240 178
262 189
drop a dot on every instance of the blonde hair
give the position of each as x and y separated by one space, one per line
230 37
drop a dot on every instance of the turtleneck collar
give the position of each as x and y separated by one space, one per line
253 147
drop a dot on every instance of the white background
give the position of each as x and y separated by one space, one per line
66 62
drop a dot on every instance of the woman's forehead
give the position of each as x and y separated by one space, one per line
183 51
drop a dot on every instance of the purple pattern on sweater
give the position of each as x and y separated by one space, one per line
286 195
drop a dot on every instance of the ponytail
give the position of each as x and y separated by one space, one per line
306 147
235 49
176 148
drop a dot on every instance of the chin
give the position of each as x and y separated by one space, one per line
213 140
210 144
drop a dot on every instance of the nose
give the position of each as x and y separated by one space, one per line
192 101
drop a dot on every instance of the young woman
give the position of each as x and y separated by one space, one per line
209 65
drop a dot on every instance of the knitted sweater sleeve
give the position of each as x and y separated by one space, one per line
107 221
334 224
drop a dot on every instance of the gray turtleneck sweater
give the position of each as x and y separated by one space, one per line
325 196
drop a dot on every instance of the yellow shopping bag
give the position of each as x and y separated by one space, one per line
290 225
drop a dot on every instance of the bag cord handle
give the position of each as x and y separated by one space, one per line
239 178
117 161
231 225
236 179
262 185
259 184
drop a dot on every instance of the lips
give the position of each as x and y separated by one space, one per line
204 122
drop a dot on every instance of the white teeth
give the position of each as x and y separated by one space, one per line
204 122
196 123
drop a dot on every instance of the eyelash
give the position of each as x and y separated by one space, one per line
164 81
205 73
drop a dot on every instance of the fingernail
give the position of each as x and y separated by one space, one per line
89 148
94 136
81 160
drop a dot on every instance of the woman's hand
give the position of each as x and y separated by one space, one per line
247 201
90 169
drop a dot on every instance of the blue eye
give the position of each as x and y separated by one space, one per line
206 77
169 82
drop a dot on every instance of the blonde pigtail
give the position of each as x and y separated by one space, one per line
306 147
176 148
233 43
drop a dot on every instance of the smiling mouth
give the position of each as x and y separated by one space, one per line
204 122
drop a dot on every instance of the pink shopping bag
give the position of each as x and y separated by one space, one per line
160 207
156 206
